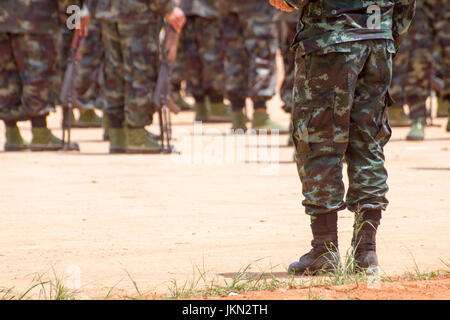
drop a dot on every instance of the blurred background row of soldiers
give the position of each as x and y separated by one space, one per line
227 56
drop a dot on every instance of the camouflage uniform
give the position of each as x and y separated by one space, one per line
251 46
203 50
343 71
28 68
130 32
415 64
89 74
287 28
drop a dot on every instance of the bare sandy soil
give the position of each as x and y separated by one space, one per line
156 219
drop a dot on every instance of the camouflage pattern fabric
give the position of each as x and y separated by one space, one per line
28 75
28 47
326 22
415 63
34 16
439 12
204 56
343 72
340 111
201 8
131 71
133 11
250 51
201 53
91 67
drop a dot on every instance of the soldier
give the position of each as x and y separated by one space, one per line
130 32
343 72
414 68
204 60
91 61
250 65
28 69
89 77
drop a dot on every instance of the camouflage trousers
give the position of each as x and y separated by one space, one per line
89 77
340 111
413 66
90 67
250 52
28 75
130 70
201 60
286 34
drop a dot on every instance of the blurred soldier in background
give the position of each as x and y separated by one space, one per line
416 68
130 32
204 60
29 75
91 61
250 60
89 77
287 28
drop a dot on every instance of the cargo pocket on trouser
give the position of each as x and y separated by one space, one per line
300 138
385 132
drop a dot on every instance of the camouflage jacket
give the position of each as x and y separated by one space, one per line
327 22
33 16
133 11
201 8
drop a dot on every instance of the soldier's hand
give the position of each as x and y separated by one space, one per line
281 5
84 25
176 19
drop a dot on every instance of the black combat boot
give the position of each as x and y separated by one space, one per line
364 240
324 255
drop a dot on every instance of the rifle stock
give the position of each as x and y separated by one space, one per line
162 92
68 93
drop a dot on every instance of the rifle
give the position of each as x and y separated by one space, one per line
68 92
162 94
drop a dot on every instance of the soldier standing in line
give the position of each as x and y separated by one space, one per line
414 67
87 68
343 72
204 60
88 78
442 16
250 60
130 32
28 69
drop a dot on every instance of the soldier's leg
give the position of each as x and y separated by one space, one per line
179 72
236 68
261 44
418 84
10 95
321 121
140 48
35 58
397 117
369 132
114 87
211 53
194 68
87 81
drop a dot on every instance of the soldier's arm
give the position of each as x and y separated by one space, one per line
401 20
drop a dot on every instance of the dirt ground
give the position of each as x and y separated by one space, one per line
159 219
